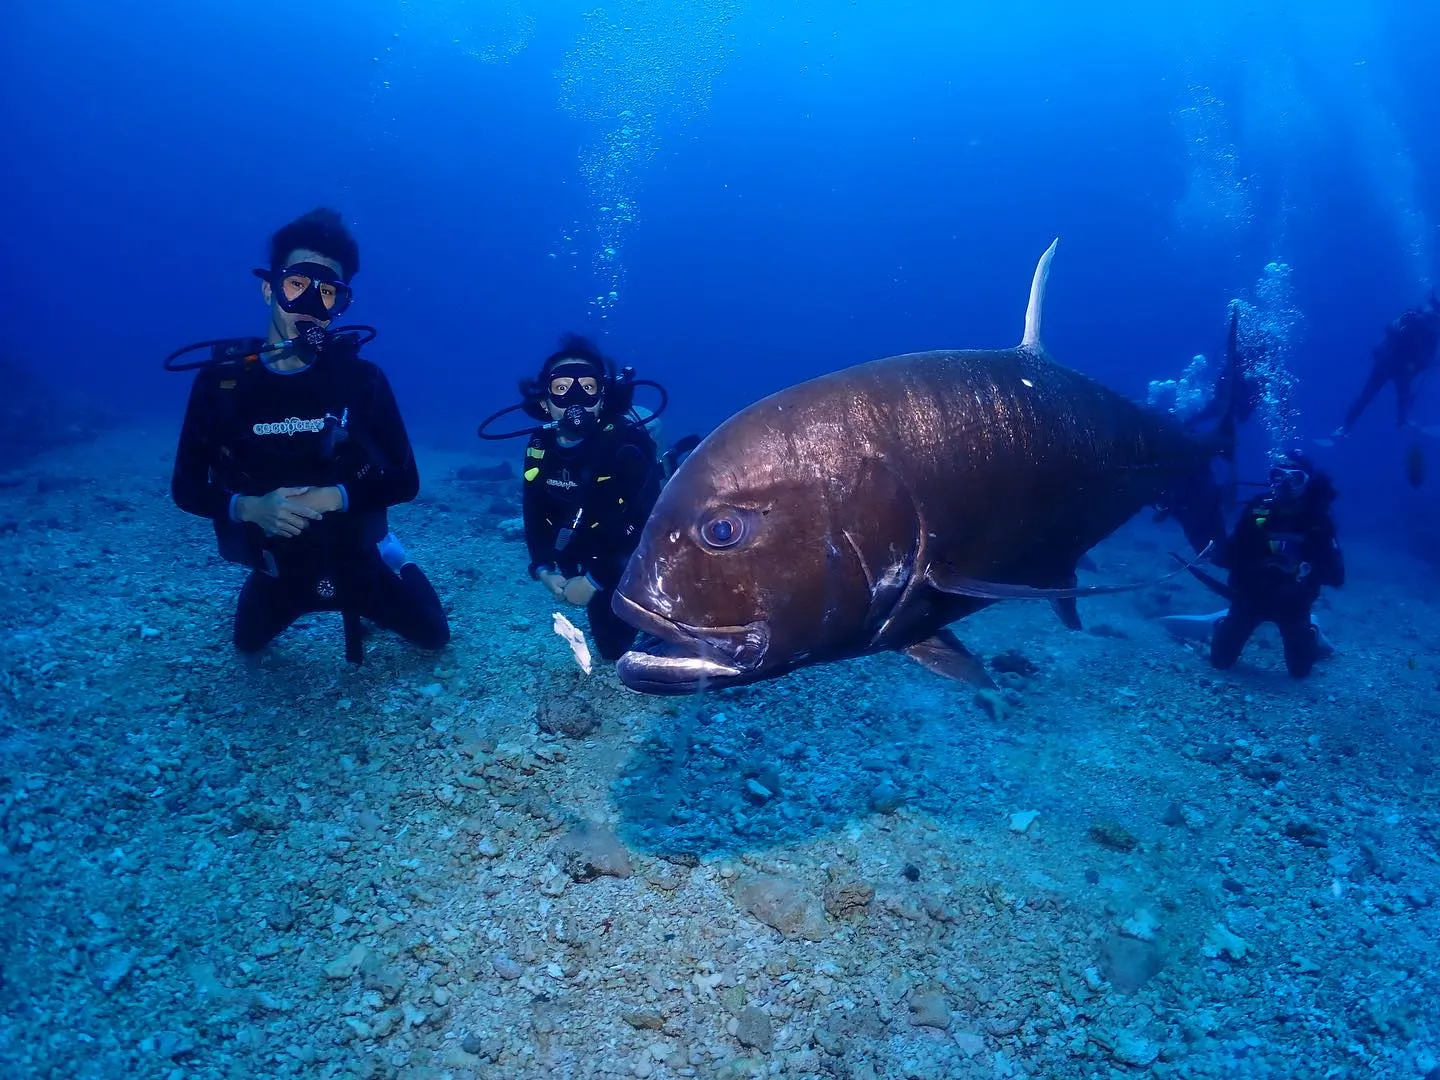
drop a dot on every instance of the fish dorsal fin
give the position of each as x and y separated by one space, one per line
1031 340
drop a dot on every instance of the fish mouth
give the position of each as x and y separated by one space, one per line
673 658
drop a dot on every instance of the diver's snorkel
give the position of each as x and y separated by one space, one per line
315 341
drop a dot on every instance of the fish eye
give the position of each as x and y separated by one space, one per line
723 530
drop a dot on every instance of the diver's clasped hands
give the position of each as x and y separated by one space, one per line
287 511
577 590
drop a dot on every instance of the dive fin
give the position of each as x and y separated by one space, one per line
1068 611
1031 340
996 590
1193 627
944 654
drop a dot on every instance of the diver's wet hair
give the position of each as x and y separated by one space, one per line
578 347
322 231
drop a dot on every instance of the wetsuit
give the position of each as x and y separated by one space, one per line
1408 349
1279 556
249 430
584 508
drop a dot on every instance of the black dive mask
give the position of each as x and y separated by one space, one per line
309 289
578 396
569 392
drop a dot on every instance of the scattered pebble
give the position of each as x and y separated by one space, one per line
753 1030
590 850
784 904
1113 835
929 1010
1221 941
1021 822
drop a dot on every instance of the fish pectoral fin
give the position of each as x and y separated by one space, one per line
944 654
1068 612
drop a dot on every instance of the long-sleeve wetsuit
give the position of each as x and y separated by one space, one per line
249 430
584 507
1280 555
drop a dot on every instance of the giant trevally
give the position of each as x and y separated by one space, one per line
868 509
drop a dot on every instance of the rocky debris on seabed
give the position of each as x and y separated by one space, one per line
1129 866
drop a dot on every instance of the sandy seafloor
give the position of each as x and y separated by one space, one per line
218 868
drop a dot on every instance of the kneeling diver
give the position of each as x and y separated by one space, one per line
592 473
1282 552
294 447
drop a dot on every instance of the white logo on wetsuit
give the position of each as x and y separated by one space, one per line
291 426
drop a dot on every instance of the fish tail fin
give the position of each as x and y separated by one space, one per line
1031 340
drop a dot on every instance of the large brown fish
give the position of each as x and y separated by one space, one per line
867 509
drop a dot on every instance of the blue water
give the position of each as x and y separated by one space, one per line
816 185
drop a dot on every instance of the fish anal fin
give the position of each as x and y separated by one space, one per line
944 654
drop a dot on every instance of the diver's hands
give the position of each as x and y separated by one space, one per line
552 581
327 500
580 591
279 513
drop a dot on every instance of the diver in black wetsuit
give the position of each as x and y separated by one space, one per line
297 450
592 476
591 480
1407 351
1283 550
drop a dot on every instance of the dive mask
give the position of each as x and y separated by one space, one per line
568 391
308 288
1288 481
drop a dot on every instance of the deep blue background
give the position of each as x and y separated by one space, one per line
865 179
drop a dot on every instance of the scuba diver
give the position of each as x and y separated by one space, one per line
592 474
294 447
1282 551
1407 351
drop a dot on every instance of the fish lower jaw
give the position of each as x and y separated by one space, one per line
658 673
671 658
